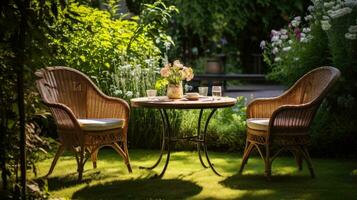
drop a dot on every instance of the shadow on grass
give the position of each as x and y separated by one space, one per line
256 182
140 189
293 186
71 179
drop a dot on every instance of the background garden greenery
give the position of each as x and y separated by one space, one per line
122 54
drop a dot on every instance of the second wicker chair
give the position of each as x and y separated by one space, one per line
284 121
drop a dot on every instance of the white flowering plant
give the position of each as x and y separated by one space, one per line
286 44
327 33
173 74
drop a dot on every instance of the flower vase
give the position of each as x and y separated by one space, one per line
175 91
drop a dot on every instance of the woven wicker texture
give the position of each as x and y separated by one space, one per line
290 116
71 95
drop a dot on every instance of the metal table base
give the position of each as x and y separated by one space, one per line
168 139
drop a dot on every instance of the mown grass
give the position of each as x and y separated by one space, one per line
185 178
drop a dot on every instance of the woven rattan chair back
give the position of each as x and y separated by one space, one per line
313 86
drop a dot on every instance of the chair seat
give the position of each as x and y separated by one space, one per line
261 124
100 124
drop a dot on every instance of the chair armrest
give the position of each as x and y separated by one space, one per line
102 106
63 115
263 107
293 117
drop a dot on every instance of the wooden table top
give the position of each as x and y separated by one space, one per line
164 102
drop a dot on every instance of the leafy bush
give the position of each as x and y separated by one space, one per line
122 56
91 41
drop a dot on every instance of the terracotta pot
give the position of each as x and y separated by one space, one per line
175 91
213 66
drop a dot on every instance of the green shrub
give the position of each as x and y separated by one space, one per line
226 130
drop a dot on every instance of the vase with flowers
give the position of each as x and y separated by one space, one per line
172 75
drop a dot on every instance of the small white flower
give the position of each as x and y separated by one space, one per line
295 23
302 35
325 17
274 33
129 94
118 92
296 58
275 50
308 17
329 4
148 61
350 36
167 45
286 49
325 25
304 40
310 8
283 31
350 3
279 42
262 44
306 30
341 12
297 18
284 37
277 59
336 7
275 38
352 29
290 41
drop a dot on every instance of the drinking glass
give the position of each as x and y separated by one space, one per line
151 94
216 92
203 91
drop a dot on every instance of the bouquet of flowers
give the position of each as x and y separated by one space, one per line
172 75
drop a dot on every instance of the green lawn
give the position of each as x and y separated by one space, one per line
185 178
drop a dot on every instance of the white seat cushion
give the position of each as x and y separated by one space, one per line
100 124
260 124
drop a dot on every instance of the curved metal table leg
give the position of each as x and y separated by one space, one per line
204 142
168 131
162 143
199 137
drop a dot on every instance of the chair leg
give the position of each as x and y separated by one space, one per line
248 149
127 161
267 162
125 156
81 162
94 156
307 157
298 157
55 159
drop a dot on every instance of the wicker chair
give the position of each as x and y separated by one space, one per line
284 121
86 118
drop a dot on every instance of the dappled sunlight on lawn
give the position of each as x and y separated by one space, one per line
185 178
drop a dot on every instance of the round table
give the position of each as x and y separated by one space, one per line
163 104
